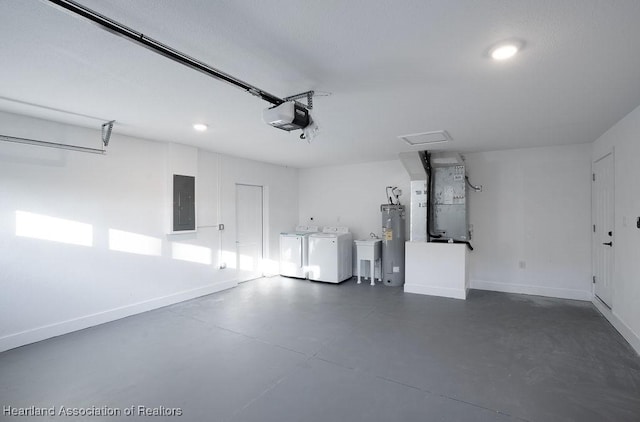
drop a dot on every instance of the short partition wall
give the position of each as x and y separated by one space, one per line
436 269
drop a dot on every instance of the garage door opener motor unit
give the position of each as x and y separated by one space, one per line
287 116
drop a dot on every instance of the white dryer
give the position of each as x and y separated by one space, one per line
330 255
294 251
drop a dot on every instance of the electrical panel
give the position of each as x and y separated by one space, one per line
184 203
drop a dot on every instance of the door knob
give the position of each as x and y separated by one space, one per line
608 243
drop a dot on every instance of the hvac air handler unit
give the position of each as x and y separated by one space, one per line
447 215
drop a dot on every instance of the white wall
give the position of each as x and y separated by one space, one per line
624 140
535 208
532 221
350 195
51 287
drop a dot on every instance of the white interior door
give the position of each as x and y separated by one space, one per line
249 231
603 235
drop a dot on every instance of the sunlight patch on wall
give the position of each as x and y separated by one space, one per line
43 227
191 253
269 266
246 263
123 241
228 259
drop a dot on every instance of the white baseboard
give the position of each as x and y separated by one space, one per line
532 290
632 338
12 341
435 291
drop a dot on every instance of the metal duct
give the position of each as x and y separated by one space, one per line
413 162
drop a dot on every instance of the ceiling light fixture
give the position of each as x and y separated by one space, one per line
200 127
505 50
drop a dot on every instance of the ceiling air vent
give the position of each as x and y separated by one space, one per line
426 138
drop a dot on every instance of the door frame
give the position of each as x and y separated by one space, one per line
263 225
594 234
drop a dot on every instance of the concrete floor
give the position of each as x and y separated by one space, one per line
284 350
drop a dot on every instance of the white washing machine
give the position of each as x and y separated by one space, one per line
294 251
330 255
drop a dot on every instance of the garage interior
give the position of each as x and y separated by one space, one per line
145 199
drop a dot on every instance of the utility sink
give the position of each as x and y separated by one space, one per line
369 250
367 242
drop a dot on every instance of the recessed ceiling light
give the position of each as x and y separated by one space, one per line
200 127
504 51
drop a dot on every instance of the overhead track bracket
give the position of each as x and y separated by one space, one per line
106 132
308 95
106 135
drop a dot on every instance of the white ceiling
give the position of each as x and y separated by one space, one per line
392 68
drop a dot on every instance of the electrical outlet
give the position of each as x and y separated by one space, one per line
522 265
638 223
